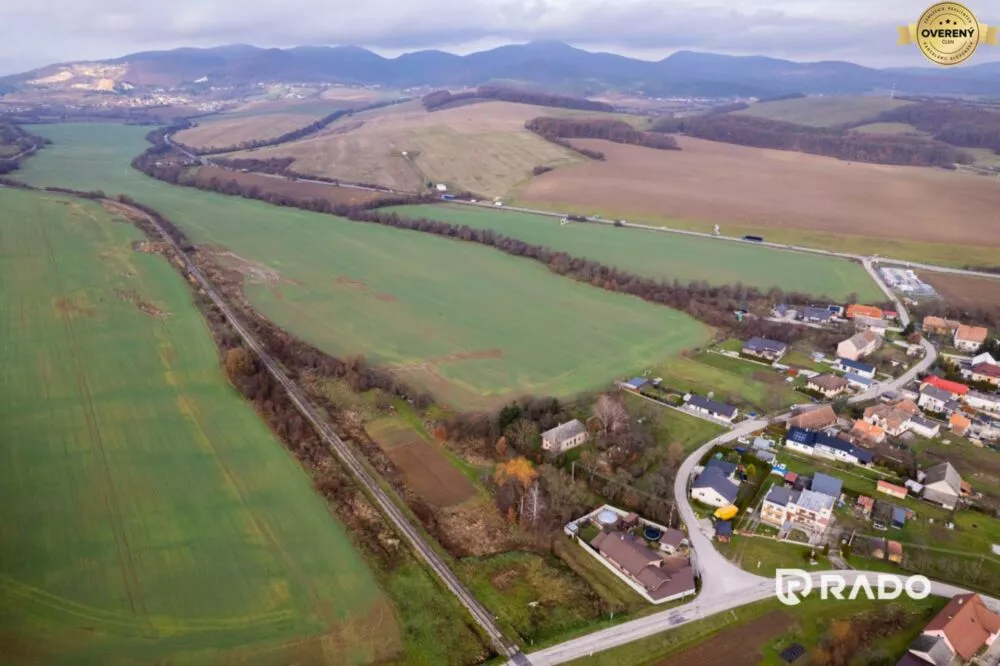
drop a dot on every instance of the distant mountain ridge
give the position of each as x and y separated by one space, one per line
553 65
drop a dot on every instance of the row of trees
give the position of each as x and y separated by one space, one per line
22 143
951 122
617 131
442 99
832 142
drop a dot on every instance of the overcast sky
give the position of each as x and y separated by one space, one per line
38 32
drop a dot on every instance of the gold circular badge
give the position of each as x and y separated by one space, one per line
947 33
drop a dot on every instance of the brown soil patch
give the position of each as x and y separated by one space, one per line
295 189
252 272
132 296
735 647
476 529
430 475
358 284
65 306
965 291
724 183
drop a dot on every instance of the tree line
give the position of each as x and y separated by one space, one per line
831 142
953 123
21 141
442 99
558 130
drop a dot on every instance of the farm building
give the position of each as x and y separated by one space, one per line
969 338
565 436
814 419
713 408
943 485
859 345
770 350
866 370
891 489
828 385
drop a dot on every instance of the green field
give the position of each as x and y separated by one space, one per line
470 324
887 128
149 515
823 111
669 256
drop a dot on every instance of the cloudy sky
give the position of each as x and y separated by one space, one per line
37 32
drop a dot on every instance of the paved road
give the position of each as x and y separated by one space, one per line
482 617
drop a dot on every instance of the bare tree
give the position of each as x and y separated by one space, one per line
521 434
532 506
612 415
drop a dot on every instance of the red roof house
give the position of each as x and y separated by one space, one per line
955 388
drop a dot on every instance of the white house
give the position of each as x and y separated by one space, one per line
866 370
715 486
969 338
821 445
713 408
860 345
565 436
989 402
943 485
934 399
803 508
924 427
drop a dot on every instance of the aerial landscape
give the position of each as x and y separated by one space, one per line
427 342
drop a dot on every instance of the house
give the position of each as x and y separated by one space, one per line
859 345
635 384
821 445
814 419
801 508
927 651
925 427
863 323
713 408
956 389
762 444
893 417
816 315
943 485
934 399
859 382
829 386
958 424
939 326
966 625
827 485
891 489
986 373
855 310
969 338
672 540
784 311
643 566
713 487
986 401
770 350
887 550
767 456
856 367
565 436
867 433
865 505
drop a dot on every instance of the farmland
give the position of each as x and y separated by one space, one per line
481 147
669 256
775 193
469 324
822 111
296 189
964 290
149 515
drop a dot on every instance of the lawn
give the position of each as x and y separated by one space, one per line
468 323
149 514
764 556
823 111
668 425
669 256
742 383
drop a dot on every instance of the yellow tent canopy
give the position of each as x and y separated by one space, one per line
727 512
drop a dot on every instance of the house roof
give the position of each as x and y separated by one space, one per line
827 485
672 537
957 421
899 515
565 431
986 369
865 501
780 495
865 429
629 552
813 501
856 365
829 382
712 406
985 357
713 478
971 334
936 393
956 388
636 382
944 472
986 397
858 379
763 344
885 485
938 323
723 528
814 419
727 468
823 314
935 647
855 309
923 423
967 623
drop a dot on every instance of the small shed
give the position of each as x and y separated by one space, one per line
723 531
898 517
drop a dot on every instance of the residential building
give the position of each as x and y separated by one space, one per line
928 650
987 373
989 402
784 311
969 338
856 367
714 487
565 436
644 566
859 345
966 625
816 315
956 389
827 485
770 350
855 310
894 417
814 419
859 382
829 386
959 424
867 433
934 399
940 326
767 456
925 427
943 485
635 384
985 357
891 489
713 408
784 507
863 323
821 445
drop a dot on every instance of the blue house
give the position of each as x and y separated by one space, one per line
866 370
635 383
821 445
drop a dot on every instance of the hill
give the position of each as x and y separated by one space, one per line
553 65
823 111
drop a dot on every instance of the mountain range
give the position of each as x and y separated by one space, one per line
552 65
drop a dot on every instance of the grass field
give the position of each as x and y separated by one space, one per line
894 211
482 147
668 425
469 323
149 515
822 111
668 256
886 128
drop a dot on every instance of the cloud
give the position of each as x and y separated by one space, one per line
859 30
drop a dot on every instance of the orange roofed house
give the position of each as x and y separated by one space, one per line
940 326
867 434
969 338
959 424
856 310
965 627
